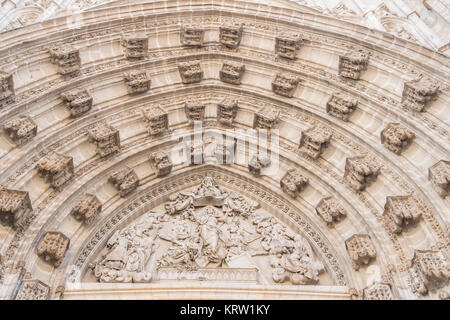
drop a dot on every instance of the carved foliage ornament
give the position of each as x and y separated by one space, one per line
401 211
313 141
330 210
67 58
195 110
430 270
230 34
6 87
360 249
190 71
439 175
106 138
161 163
293 182
156 118
352 63
191 34
135 46
78 101
15 207
87 208
125 180
21 129
396 137
341 106
137 81
266 118
418 93
285 84
258 162
227 110
360 172
53 247
378 291
287 44
56 169
33 290
232 72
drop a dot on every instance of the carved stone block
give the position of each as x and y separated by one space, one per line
78 101
360 249
439 175
287 44
53 247
87 208
21 129
418 93
6 88
230 34
33 290
161 162
258 162
190 71
266 118
195 110
313 141
401 211
430 270
227 110
330 210
67 58
125 180
352 64
191 34
137 81
378 291
341 105
157 119
106 138
15 207
232 72
396 137
56 169
285 84
293 182
135 46
360 172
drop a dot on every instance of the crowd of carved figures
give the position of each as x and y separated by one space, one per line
211 227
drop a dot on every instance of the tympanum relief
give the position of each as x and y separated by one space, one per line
208 234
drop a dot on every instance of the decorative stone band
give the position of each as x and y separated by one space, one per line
248 275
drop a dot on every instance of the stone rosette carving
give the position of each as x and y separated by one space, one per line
87 208
67 58
137 81
7 91
32 289
190 71
266 118
396 137
161 163
313 141
125 180
106 138
285 84
156 119
293 182
330 210
232 71
230 34
15 207
360 172
401 212
79 101
135 46
56 169
194 110
378 291
287 44
52 247
258 162
439 175
430 271
191 34
341 105
352 64
20 130
418 93
227 110
360 249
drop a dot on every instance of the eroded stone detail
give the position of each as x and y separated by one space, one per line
225 151
33 290
341 105
7 91
230 34
313 141
418 93
78 101
258 162
135 46
157 119
266 118
401 212
67 58
287 44
396 137
191 34
227 110
52 247
87 208
21 129
285 84
378 291
330 210
161 163
56 169
439 175
293 182
360 172
137 81
195 110
125 180
430 271
106 138
232 72
190 71
352 64
360 249
15 207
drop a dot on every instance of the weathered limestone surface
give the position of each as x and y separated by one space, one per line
360 249
401 212
135 46
156 119
293 182
418 93
227 110
266 118
106 138
191 34
230 34
439 175
190 71
161 162
285 84
137 81
21 129
341 105
313 141
66 58
287 44
56 169
330 210
396 137
87 208
15 207
232 72
125 180
360 172
53 247
352 64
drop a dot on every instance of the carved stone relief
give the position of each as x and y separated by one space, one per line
6 88
293 182
157 119
87 208
258 162
360 249
266 118
396 137
106 138
430 270
33 290
191 34
190 71
418 93
401 211
232 72
378 291
439 175
352 64
161 163
360 172
285 84
56 169
313 141
52 247
78 101
230 34
330 210
287 44
137 81
135 46
227 110
195 110
66 58
15 207
341 105
21 129
125 180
